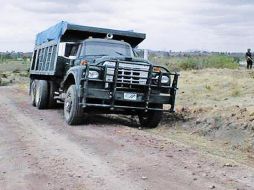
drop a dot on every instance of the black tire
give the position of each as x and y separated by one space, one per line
150 119
33 92
53 87
73 112
41 95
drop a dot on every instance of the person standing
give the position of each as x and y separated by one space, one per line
249 60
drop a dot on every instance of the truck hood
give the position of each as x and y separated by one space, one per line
101 60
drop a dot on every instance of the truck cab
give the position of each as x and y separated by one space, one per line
96 71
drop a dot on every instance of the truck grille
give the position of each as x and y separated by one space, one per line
128 73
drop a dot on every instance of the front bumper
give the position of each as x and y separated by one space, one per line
113 97
104 100
119 96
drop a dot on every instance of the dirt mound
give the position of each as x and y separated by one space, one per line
233 125
216 104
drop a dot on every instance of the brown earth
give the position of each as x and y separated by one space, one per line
39 151
217 104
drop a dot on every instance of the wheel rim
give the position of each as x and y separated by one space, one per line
68 105
37 94
143 117
33 92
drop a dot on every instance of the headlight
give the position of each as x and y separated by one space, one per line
164 79
93 75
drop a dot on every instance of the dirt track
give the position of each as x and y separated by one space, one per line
39 151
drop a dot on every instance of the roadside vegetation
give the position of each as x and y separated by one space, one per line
13 70
216 105
220 61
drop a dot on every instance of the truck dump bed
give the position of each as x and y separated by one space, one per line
66 32
45 57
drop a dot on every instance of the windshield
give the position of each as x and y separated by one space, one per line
94 48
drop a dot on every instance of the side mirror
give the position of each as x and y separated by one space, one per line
146 54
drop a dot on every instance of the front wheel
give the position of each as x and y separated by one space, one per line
151 119
73 112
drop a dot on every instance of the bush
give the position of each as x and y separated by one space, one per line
198 62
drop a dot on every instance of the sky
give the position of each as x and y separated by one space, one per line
177 25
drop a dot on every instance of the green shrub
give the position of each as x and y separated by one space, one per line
236 93
197 62
208 87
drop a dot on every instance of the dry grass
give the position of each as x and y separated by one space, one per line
218 61
217 113
210 87
14 66
13 72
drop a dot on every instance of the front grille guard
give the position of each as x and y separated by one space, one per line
172 87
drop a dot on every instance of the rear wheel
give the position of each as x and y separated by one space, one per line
41 94
53 87
73 112
151 119
33 92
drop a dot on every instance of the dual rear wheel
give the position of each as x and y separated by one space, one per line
42 94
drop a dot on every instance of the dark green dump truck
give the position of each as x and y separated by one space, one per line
95 70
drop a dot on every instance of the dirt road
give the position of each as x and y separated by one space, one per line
39 151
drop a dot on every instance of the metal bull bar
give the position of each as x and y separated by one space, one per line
114 83
113 90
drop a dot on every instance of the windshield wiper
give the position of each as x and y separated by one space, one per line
119 53
98 55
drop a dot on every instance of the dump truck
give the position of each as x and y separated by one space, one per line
97 70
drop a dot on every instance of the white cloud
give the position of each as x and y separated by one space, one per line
218 25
